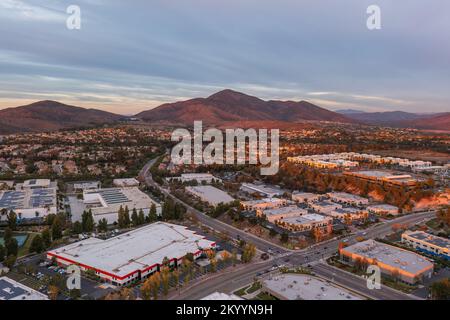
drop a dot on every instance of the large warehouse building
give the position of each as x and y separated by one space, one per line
105 203
134 255
30 203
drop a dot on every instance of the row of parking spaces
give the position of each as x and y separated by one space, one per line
28 281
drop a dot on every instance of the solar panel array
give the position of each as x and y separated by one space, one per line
12 199
113 196
42 197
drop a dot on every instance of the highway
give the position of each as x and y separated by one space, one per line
232 279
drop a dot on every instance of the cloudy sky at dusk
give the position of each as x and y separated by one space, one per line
134 55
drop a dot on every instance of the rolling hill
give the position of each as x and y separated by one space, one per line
51 115
229 106
436 122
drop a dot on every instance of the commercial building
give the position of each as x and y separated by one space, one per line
325 207
13 290
427 243
350 159
305 196
274 215
347 198
398 263
261 189
37 184
221 296
323 161
198 177
127 182
134 255
30 202
6 184
347 213
307 222
384 177
210 194
383 209
262 204
85 185
305 287
105 203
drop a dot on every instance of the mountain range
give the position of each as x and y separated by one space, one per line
51 115
225 108
231 107
401 119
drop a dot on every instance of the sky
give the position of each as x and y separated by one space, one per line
131 56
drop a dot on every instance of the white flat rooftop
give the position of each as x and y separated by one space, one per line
13 290
221 296
134 250
211 194
109 200
390 255
307 218
306 287
285 210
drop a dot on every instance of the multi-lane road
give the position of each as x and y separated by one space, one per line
232 279
215 224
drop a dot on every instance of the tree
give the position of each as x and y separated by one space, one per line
135 218
440 290
122 294
226 256
37 245
53 292
126 216
284 237
273 232
102 225
2 253
10 261
46 238
152 216
317 234
12 247
146 289
77 227
7 234
165 279
176 277
57 228
141 217
87 221
248 253
155 283
12 220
